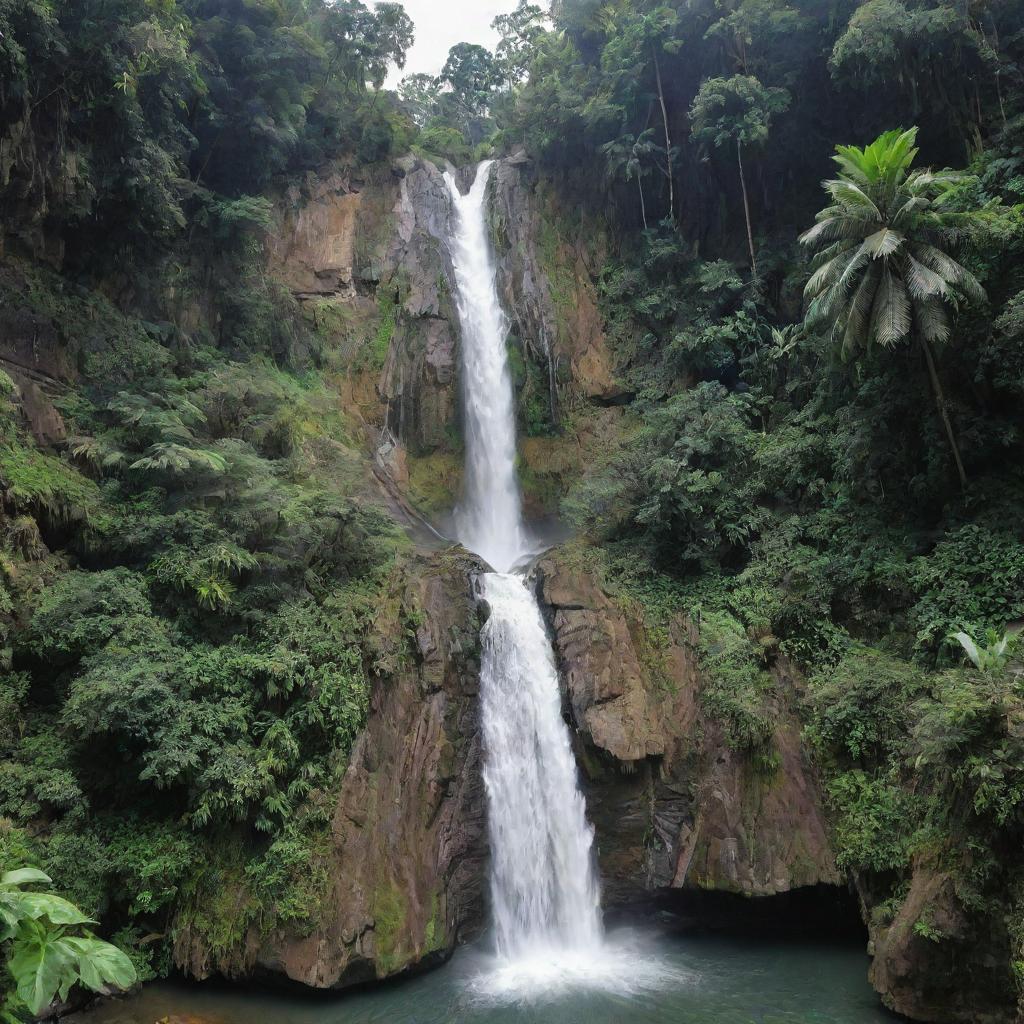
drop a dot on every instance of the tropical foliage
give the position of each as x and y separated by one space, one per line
203 583
49 951
882 272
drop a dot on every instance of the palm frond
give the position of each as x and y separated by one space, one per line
951 270
842 226
830 271
912 205
851 196
890 316
883 243
932 320
922 282
822 256
884 161
858 316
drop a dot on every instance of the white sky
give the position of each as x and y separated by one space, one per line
440 24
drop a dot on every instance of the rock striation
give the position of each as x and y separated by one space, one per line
409 828
370 255
546 281
408 849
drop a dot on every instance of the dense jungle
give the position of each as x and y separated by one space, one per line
761 265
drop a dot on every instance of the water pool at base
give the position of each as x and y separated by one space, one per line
699 980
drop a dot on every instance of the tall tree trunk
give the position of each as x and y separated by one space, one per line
999 93
940 401
643 206
746 211
668 141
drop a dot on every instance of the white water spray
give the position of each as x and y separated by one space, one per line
545 896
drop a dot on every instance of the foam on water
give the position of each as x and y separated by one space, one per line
620 966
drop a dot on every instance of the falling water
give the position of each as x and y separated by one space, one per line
543 887
489 520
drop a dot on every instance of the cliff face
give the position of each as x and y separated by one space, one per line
545 273
963 978
368 259
672 805
407 857
409 829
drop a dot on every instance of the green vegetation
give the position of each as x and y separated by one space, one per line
192 581
808 229
46 956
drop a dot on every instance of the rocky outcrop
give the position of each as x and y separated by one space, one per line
933 962
546 281
370 256
408 850
409 829
672 805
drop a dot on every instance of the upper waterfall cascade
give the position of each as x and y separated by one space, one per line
489 520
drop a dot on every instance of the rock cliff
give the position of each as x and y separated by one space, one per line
408 851
368 258
673 806
960 979
546 273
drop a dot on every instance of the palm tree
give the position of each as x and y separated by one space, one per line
882 271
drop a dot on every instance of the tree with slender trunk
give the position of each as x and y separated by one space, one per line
669 152
883 273
746 210
629 156
635 39
737 110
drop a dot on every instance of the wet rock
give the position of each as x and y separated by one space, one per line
418 383
933 962
312 249
607 691
30 342
376 250
35 405
548 289
672 805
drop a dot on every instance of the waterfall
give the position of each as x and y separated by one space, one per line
543 888
543 885
489 519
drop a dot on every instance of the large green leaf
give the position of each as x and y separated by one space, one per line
9 919
24 876
42 965
101 964
56 909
